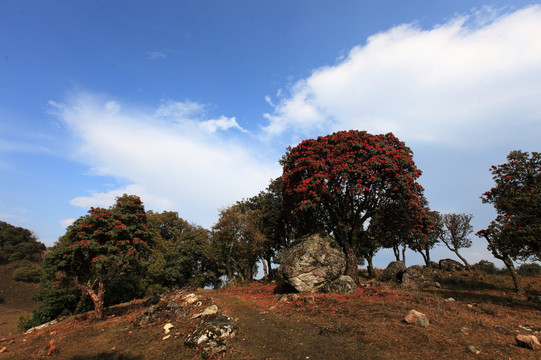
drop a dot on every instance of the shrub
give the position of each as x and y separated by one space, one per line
487 267
28 272
529 269
23 323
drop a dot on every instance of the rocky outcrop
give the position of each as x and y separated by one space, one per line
413 276
343 285
211 334
450 265
393 271
312 263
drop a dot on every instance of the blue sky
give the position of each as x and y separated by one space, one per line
190 104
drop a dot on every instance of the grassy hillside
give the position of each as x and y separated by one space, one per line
484 313
15 299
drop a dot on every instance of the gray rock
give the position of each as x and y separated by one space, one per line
394 271
451 265
312 262
343 285
211 334
146 317
155 300
412 276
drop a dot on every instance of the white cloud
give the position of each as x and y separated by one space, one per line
172 157
153 55
223 123
66 222
469 82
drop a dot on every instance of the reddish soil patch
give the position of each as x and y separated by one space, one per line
367 324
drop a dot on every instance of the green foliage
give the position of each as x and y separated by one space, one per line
99 247
529 269
56 302
17 243
516 196
28 271
486 267
23 323
337 183
182 257
238 241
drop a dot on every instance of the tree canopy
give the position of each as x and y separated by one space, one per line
515 234
17 243
183 255
338 182
99 247
516 198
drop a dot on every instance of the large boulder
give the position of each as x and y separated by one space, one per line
313 262
394 271
451 265
413 276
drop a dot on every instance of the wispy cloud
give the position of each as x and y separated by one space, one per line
470 82
173 157
154 55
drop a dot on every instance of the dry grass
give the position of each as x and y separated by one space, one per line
367 324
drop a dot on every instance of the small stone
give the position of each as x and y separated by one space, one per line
415 317
3 349
212 309
190 298
449 299
437 285
473 349
528 341
465 330
167 328
166 337
470 306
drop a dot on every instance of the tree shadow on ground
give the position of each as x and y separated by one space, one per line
108 356
483 298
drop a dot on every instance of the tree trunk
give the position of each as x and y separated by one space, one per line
425 258
351 263
97 299
269 264
370 266
468 267
265 270
404 254
396 252
509 264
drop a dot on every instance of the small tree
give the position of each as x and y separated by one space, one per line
456 228
515 234
428 235
99 247
238 241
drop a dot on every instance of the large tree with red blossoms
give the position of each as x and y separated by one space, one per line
515 234
99 247
337 183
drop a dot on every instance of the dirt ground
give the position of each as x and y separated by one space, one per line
483 312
